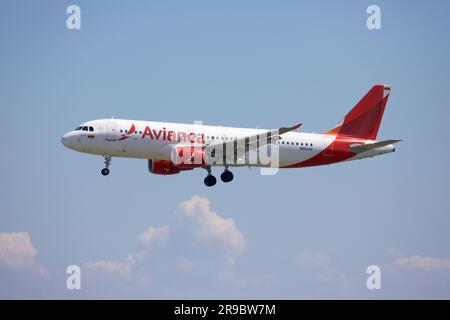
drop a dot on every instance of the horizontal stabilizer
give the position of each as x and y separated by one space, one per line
370 146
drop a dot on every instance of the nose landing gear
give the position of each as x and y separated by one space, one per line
105 171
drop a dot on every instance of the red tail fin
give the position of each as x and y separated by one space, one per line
363 121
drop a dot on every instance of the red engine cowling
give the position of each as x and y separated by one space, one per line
188 157
164 167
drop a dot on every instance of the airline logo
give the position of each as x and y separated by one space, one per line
128 133
165 134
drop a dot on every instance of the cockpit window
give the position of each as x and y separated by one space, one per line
85 128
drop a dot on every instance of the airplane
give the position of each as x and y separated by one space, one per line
171 148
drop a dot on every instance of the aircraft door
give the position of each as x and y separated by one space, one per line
111 131
328 148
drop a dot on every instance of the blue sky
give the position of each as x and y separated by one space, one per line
306 233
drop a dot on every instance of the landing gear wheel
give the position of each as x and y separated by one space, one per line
226 176
105 171
210 180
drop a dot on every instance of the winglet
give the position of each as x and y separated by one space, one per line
284 130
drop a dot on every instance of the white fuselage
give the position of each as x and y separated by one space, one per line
155 140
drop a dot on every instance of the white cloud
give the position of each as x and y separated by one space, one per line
418 262
427 264
312 260
17 252
320 275
321 264
154 236
16 249
198 239
124 268
21 275
209 226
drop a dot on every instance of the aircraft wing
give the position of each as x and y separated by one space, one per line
249 143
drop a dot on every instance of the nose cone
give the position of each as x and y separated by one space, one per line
68 140
65 140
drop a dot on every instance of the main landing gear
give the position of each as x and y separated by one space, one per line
105 171
226 176
210 180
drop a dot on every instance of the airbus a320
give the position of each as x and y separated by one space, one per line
171 148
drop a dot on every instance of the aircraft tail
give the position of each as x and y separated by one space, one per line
363 121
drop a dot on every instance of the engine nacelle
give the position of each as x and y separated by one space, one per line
188 157
164 167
